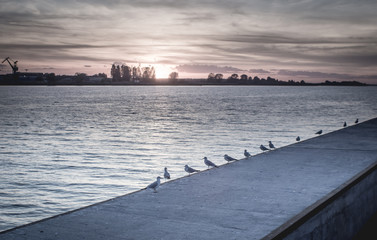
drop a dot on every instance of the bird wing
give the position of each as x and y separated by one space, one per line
152 185
211 163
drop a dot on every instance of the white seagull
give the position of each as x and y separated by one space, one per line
166 173
190 169
270 144
229 159
263 148
155 184
209 163
246 153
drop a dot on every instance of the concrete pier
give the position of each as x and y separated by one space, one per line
321 188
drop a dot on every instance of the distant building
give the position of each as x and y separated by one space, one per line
30 78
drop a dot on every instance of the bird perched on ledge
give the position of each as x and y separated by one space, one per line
166 173
209 163
190 169
319 132
298 138
155 184
271 145
229 159
246 153
263 148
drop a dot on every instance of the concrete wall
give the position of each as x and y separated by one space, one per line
340 215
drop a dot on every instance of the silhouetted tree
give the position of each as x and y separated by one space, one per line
234 76
148 75
115 73
113 69
102 75
243 77
271 81
80 77
136 73
125 73
173 77
211 77
219 76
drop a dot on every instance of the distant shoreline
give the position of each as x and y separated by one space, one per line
355 84
40 79
186 84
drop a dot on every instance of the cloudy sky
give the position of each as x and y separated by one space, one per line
314 40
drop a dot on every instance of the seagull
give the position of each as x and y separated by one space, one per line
319 132
345 124
209 163
190 170
298 138
270 144
263 148
166 173
155 184
246 153
357 120
229 159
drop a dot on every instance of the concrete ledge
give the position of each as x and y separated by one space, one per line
339 215
324 187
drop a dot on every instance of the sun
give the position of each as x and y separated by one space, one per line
163 71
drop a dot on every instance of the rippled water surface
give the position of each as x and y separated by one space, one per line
62 148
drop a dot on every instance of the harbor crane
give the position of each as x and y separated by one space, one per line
13 66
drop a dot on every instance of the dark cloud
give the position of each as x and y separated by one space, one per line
313 74
288 38
198 36
47 46
261 71
190 17
207 69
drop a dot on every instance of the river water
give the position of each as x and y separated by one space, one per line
62 148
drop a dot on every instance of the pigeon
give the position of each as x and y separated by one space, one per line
345 124
166 173
357 120
229 159
270 144
190 170
155 184
298 138
246 154
319 132
209 163
263 148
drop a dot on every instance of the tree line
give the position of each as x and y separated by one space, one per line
245 79
136 74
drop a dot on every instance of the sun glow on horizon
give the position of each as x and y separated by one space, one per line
163 71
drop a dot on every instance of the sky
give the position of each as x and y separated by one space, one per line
311 40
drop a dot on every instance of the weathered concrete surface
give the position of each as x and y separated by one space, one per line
247 199
339 215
